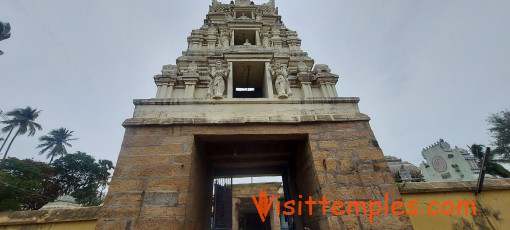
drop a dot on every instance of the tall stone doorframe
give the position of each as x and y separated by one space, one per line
244 100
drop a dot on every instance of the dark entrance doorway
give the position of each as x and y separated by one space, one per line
251 221
226 156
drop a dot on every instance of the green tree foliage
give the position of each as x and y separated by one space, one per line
23 120
494 166
500 131
26 185
56 142
80 176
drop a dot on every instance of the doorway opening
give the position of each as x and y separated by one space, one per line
227 164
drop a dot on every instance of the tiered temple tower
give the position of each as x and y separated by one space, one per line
245 100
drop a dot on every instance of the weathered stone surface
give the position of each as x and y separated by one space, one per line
161 198
157 223
124 199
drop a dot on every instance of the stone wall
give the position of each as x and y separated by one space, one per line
54 219
162 180
350 166
492 209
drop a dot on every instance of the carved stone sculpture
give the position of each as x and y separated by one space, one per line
258 16
266 41
243 17
229 15
217 84
280 74
225 39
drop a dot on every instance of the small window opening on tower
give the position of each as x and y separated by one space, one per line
248 79
244 37
244 14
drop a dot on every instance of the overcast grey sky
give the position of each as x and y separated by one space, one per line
424 70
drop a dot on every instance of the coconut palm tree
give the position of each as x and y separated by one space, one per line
56 141
9 129
494 166
23 120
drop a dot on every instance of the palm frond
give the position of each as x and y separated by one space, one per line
56 140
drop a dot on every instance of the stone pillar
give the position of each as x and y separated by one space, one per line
190 80
232 38
165 83
275 218
189 91
324 89
327 82
230 81
269 82
306 82
164 88
158 93
170 90
235 213
306 89
329 87
257 38
335 93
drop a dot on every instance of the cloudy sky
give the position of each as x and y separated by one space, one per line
424 70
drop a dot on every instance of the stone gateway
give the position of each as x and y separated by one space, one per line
226 110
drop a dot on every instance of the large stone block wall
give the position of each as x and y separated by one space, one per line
150 185
350 166
162 179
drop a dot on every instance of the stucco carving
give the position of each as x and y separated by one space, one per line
258 16
243 17
266 41
280 74
217 84
220 37
225 39
229 15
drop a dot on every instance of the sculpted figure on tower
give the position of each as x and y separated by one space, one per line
280 74
217 84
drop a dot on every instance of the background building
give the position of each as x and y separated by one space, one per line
403 170
442 163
